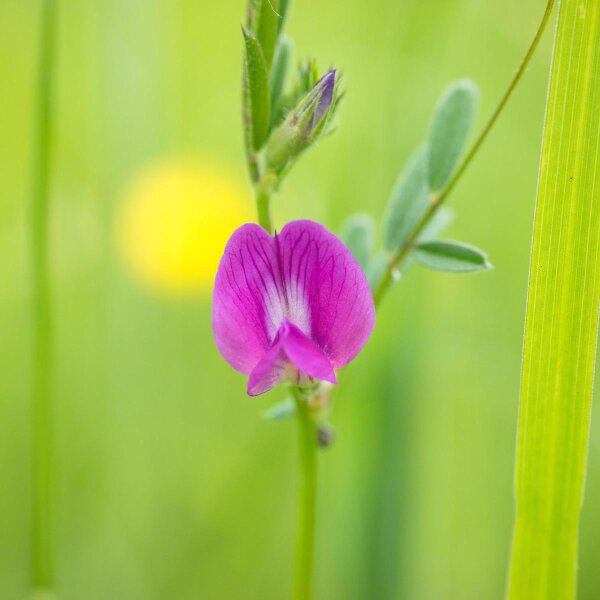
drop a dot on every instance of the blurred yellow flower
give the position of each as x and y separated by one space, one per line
173 222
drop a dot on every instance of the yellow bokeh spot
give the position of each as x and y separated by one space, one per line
173 222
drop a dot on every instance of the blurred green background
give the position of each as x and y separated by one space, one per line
169 484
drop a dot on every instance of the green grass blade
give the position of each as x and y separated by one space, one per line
42 544
562 318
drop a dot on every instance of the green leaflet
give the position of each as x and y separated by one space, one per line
257 102
408 203
358 233
455 257
450 128
562 318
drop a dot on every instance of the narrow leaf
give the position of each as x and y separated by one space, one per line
284 7
450 128
455 257
408 203
278 79
267 28
256 92
358 233
562 318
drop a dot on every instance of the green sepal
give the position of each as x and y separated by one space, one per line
454 257
280 411
303 126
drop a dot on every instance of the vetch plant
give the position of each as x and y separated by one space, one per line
290 308
295 307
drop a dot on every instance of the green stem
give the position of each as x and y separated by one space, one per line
263 191
42 578
305 549
263 208
397 260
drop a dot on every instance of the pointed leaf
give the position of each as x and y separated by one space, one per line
358 233
449 131
267 28
278 78
455 257
284 7
408 203
256 92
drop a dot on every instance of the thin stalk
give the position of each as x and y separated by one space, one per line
263 208
263 191
42 542
397 260
305 548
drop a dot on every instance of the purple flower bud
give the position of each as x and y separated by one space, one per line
304 124
293 307
320 102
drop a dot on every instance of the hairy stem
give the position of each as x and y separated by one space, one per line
42 403
305 548
397 260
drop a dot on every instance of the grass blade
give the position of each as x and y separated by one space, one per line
42 409
562 318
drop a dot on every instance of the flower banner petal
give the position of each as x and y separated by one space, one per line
320 272
247 299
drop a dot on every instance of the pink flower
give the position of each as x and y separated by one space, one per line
292 307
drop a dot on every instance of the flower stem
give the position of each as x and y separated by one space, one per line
305 549
263 190
42 543
397 260
263 208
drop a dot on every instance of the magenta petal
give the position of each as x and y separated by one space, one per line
305 354
247 307
299 297
290 346
318 270
269 371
